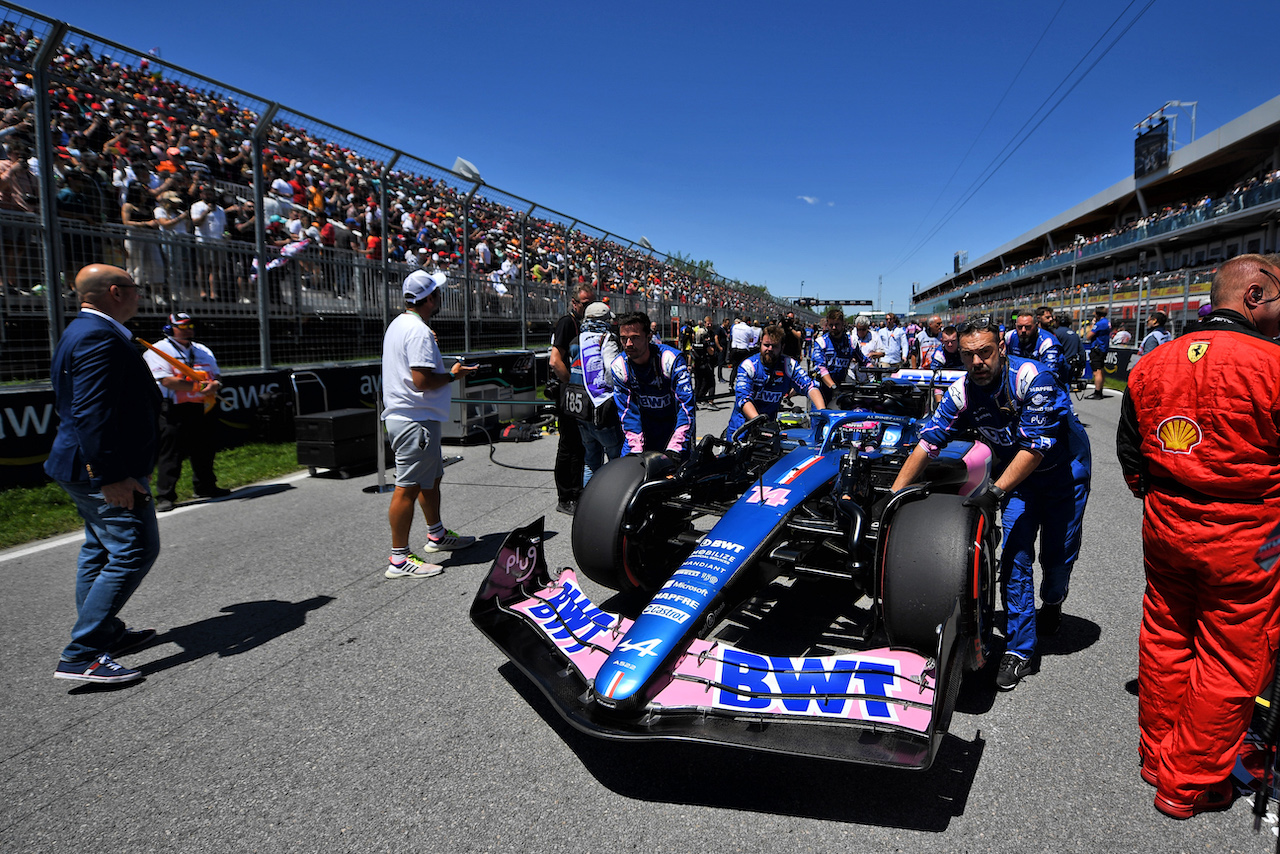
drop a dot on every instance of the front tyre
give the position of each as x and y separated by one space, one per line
597 538
931 559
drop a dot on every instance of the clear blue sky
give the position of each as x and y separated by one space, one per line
785 142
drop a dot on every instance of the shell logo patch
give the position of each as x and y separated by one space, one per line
1197 350
1178 435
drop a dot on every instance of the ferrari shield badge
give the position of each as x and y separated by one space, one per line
1178 435
1197 350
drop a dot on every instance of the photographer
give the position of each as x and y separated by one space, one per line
792 336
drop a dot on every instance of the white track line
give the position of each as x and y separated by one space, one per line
56 542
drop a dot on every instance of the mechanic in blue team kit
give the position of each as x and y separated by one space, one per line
1030 341
765 379
653 392
1100 336
945 356
833 351
1071 368
1021 410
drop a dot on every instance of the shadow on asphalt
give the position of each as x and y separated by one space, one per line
1076 635
707 775
484 551
240 628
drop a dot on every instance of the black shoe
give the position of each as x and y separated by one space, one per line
164 505
1012 669
1049 619
131 641
1097 395
216 492
567 507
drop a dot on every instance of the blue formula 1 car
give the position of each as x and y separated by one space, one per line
900 587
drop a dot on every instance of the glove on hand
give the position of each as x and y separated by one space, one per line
988 498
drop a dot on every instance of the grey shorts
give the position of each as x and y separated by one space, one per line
417 448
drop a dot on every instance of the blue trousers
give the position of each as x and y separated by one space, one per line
1049 506
597 442
119 548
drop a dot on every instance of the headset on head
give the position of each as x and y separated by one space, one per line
167 329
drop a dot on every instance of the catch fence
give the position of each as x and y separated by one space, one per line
314 226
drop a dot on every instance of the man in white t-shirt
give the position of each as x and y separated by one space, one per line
741 337
210 223
415 398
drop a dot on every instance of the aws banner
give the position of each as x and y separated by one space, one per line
28 421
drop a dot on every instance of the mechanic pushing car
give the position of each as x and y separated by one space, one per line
765 379
834 350
653 392
1021 410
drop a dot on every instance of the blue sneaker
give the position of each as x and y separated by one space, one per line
131 641
102 669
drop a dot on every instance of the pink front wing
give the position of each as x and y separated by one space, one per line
876 686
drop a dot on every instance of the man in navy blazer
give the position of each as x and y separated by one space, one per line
103 455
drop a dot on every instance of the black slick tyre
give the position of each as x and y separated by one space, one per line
928 564
598 540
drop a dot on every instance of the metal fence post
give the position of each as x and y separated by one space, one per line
524 279
385 261
466 266
260 235
48 183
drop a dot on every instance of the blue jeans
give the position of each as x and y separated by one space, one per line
1050 504
119 548
599 441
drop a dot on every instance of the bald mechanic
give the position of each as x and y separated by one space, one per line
1199 443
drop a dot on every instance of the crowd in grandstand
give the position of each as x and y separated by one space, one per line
1195 211
158 156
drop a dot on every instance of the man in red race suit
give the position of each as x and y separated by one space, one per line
1199 442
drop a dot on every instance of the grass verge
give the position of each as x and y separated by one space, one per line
33 513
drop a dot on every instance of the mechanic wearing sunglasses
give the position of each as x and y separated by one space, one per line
1043 468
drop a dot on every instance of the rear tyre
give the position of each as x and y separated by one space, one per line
598 540
928 564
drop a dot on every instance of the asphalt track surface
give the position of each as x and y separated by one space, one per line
295 700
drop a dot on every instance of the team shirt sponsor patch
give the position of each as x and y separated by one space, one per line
1178 435
1197 350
